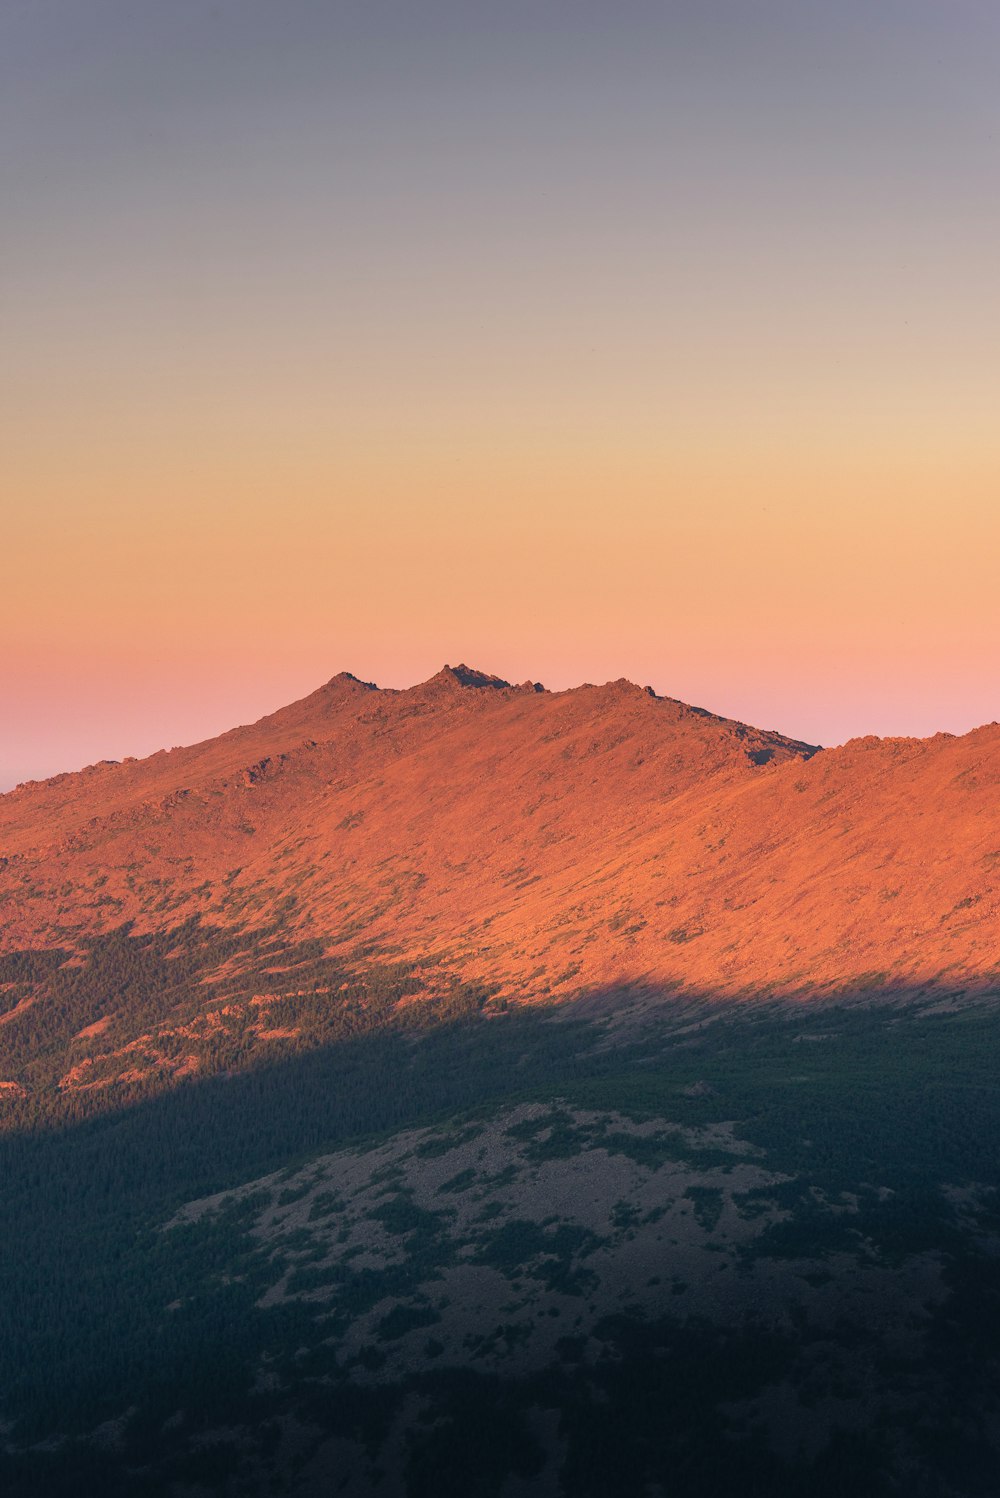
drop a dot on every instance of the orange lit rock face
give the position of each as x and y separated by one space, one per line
549 842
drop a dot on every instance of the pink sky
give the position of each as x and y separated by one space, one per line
573 350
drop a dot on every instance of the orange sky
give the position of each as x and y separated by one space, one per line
668 351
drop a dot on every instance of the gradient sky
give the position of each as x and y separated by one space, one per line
572 340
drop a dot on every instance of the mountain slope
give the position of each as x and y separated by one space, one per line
603 829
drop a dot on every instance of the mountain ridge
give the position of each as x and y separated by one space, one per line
542 843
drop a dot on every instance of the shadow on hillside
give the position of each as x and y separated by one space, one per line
898 1094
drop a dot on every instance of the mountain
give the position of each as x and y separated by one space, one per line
482 1089
542 842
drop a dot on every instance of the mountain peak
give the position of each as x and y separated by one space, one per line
466 676
349 680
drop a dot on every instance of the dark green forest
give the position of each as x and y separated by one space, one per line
889 1102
